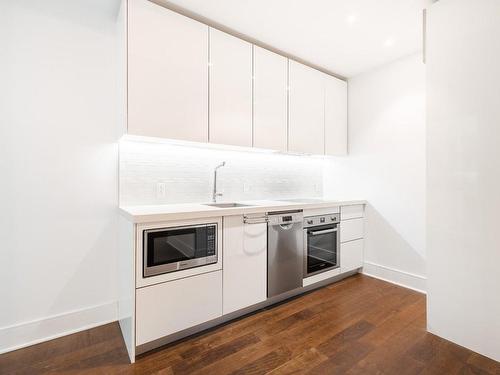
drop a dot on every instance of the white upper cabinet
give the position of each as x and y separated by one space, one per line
317 108
335 116
230 90
190 82
269 100
167 74
306 125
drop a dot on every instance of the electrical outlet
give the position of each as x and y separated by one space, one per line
246 188
161 190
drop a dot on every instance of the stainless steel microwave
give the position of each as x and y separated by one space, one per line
177 248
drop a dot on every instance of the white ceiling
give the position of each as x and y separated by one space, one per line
346 37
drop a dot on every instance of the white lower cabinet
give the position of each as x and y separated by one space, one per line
351 229
354 211
244 263
170 307
351 255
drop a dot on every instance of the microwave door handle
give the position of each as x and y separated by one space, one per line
326 231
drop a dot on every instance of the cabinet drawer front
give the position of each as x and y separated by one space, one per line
351 255
320 277
352 212
351 230
170 307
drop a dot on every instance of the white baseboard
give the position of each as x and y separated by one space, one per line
29 333
395 276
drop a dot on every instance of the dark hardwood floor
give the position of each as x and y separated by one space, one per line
360 325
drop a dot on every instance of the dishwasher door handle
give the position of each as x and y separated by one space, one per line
255 220
326 231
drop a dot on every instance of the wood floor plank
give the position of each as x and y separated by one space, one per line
265 363
27 357
190 364
307 359
484 364
360 325
394 324
389 356
344 337
449 358
343 359
469 369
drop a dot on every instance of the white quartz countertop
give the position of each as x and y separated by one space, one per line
182 211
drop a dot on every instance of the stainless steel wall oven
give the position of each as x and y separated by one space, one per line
321 243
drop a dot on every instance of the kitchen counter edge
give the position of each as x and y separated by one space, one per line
186 211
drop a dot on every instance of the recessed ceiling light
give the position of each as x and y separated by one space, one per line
389 42
351 18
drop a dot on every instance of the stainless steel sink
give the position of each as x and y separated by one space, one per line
226 205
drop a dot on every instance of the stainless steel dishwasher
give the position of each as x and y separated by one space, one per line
285 252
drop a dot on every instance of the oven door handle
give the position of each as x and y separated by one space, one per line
325 231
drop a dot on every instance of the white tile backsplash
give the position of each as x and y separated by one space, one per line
162 173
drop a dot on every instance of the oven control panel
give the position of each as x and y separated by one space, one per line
313 221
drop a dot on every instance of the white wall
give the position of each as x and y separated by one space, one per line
187 173
386 166
463 176
58 167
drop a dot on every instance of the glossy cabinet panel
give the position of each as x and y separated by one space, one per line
306 126
190 82
230 90
351 255
270 73
335 116
245 263
170 307
167 74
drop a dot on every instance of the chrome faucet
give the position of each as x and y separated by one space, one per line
215 193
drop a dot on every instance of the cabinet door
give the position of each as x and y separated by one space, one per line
306 127
230 90
351 255
335 116
351 229
244 264
166 308
167 74
269 100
